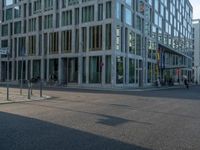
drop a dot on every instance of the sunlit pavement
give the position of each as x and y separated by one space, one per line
16 97
99 120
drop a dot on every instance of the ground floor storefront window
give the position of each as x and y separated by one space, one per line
151 73
119 70
53 69
95 69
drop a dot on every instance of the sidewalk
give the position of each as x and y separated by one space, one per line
115 89
15 97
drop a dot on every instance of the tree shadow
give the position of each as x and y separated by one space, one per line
22 133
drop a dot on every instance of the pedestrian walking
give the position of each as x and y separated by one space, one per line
186 82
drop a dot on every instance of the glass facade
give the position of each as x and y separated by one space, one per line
103 43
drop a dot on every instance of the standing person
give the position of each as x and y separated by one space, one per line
186 82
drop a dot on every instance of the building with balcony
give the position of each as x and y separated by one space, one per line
97 43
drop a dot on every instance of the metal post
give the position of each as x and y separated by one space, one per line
31 87
40 88
8 76
21 83
29 93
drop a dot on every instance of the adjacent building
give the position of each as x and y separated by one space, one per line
196 52
98 43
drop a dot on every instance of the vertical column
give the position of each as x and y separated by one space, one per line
31 75
60 72
47 75
87 70
26 70
13 70
80 58
60 43
13 62
87 57
80 70
127 69
17 72
103 67
113 54
42 69
114 72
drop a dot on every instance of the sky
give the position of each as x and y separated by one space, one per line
196 8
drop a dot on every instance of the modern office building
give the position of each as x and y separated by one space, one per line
196 63
98 43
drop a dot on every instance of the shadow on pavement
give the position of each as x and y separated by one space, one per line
176 93
180 93
22 133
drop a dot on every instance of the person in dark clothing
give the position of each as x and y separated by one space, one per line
186 83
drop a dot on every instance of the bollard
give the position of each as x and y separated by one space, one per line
41 88
7 90
31 87
29 92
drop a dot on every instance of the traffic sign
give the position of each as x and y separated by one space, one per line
3 51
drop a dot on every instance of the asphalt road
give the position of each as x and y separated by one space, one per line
100 120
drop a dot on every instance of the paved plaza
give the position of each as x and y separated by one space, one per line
15 96
75 119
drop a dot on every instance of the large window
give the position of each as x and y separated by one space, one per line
84 70
100 12
73 70
95 69
138 44
17 27
53 42
118 10
21 46
32 45
119 70
88 14
77 40
108 9
4 30
95 38
66 41
132 71
132 43
108 69
37 6
9 14
32 24
84 39
151 72
128 17
108 34
48 4
67 18
76 16
48 21
9 2
129 2
17 11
